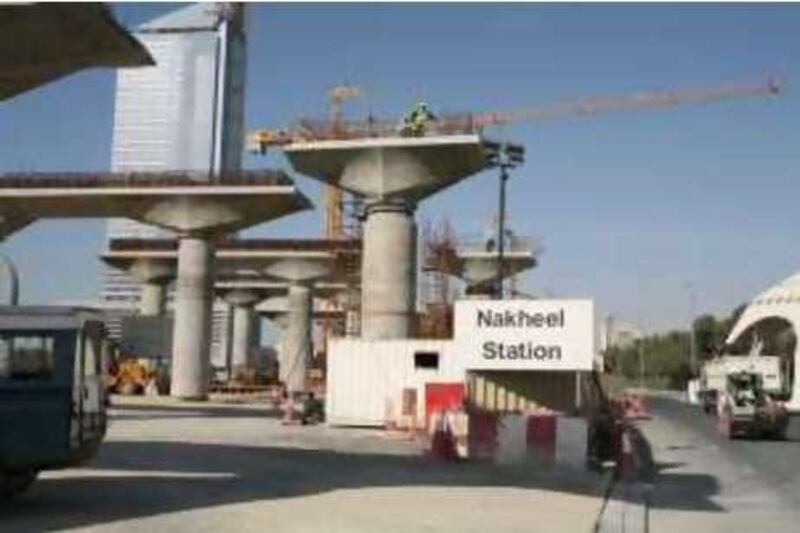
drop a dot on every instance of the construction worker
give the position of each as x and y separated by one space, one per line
417 119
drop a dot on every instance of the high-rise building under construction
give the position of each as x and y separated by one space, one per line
184 113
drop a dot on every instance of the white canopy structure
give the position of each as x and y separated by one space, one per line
779 301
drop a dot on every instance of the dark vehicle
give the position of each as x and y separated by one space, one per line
52 404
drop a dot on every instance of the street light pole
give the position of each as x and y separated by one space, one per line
504 156
692 340
501 230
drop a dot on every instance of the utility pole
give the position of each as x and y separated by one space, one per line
642 366
505 156
501 232
692 342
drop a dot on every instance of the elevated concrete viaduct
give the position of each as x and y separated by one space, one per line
243 297
300 270
39 44
393 174
198 207
478 264
252 270
283 312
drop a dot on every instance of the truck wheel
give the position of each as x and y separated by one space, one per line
14 483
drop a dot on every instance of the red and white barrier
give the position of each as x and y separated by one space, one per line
511 438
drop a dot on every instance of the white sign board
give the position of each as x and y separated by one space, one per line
525 334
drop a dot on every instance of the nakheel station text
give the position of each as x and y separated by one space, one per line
490 319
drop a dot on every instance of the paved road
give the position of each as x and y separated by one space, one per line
708 483
178 468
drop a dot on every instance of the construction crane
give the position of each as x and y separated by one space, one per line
333 195
336 128
461 123
638 101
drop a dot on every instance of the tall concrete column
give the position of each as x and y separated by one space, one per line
242 336
280 322
192 337
296 343
388 271
154 276
153 299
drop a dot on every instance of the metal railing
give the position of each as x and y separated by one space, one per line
335 245
174 178
322 129
513 243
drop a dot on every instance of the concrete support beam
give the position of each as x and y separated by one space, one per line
296 343
193 301
242 341
242 337
153 299
394 173
388 271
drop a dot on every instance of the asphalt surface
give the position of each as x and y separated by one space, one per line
169 467
709 483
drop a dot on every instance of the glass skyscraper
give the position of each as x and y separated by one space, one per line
184 113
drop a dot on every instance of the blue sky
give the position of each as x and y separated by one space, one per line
629 206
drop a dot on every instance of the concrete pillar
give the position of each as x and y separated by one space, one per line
192 333
153 299
296 342
388 271
242 337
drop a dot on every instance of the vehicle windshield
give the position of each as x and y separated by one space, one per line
27 356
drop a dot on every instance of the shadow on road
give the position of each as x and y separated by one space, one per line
676 490
143 412
151 478
136 479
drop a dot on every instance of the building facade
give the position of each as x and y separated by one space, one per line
186 113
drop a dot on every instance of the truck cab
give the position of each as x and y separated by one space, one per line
52 401
747 408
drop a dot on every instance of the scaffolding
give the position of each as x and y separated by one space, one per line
439 253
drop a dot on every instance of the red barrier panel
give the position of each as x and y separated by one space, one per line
442 397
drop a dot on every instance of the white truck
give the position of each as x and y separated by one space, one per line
714 375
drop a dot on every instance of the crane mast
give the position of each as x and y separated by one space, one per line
334 198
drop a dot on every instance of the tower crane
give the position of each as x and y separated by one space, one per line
333 195
637 101
464 123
